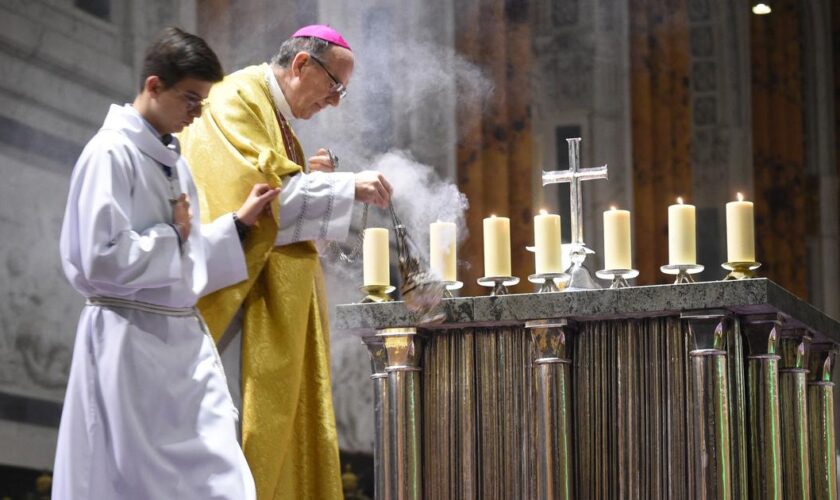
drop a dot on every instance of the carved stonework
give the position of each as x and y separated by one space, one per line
564 13
564 71
704 76
699 10
702 41
705 110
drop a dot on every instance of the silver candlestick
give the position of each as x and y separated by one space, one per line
580 277
450 286
618 277
682 271
549 282
498 284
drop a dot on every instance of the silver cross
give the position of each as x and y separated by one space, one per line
574 175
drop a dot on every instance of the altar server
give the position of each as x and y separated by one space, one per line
147 414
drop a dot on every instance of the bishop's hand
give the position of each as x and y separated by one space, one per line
321 162
373 188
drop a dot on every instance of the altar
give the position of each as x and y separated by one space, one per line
702 390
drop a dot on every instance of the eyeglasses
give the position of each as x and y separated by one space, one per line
337 86
194 102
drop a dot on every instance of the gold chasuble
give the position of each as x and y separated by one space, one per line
288 424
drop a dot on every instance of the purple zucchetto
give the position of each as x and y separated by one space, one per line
324 33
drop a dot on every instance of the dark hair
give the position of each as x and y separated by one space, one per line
175 54
292 46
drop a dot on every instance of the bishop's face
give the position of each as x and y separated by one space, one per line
319 81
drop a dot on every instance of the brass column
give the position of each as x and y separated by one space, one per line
821 422
381 417
762 333
550 339
794 347
708 410
403 351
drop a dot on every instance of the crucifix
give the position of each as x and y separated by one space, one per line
580 277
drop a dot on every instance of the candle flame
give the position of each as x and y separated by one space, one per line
543 211
612 207
493 215
740 197
679 200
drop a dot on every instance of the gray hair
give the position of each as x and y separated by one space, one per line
292 46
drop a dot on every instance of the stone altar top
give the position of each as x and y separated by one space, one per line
750 296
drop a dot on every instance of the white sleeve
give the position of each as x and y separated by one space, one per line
114 257
225 257
316 206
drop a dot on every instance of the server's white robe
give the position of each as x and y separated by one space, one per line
147 413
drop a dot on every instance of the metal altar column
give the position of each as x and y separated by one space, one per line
403 352
821 422
738 411
709 418
794 347
550 339
381 417
762 333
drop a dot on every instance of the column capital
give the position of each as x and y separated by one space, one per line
821 363
550 339
762 333
378 356
403 348
707 330
795 347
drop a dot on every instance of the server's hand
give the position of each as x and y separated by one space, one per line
181 216
258 199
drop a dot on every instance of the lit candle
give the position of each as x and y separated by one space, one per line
682 239
740 231
442 250
548 254
376 257
496 246
617 248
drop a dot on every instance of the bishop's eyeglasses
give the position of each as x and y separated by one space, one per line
337 86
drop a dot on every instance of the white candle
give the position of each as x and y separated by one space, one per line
682 239
617 246
376 257
740 231
548 254
496 246
442 250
